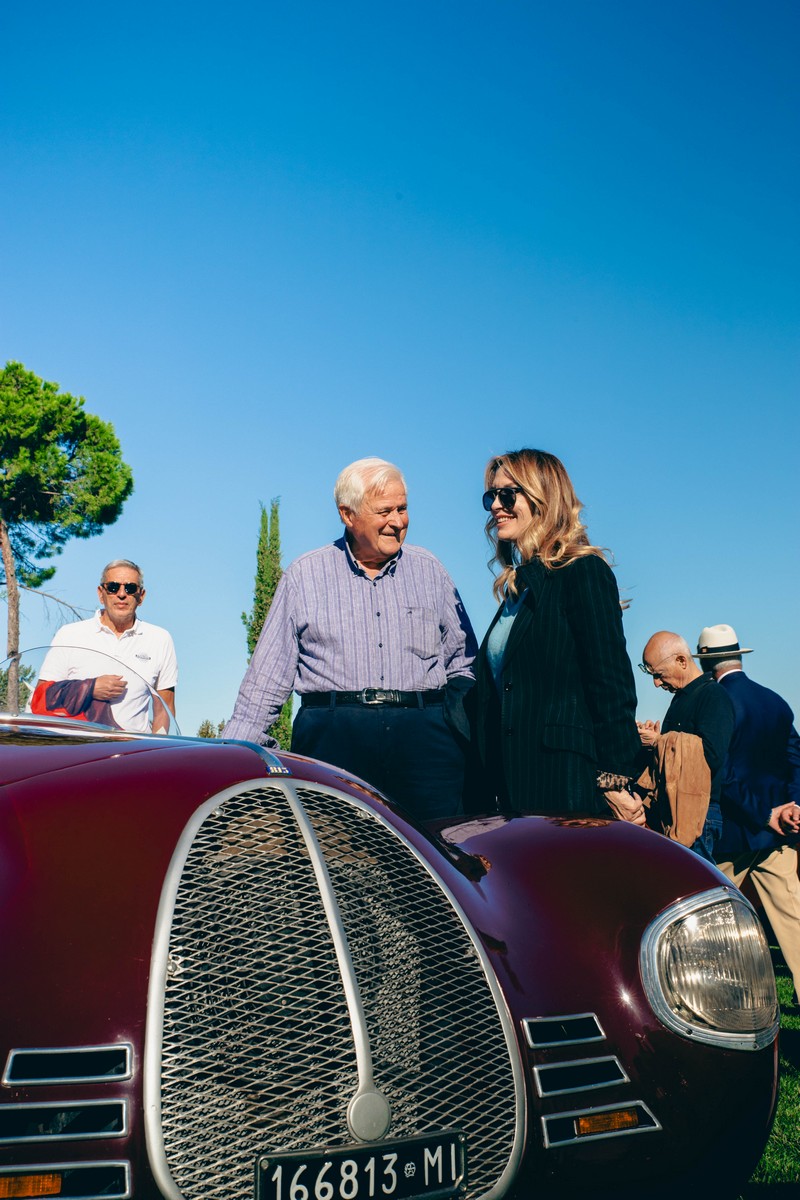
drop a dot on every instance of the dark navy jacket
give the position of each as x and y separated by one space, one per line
567 701
762 769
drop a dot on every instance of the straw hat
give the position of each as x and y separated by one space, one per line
719 641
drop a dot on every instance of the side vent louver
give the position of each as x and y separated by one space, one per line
563 1031
582 1076
62 1122
85 1064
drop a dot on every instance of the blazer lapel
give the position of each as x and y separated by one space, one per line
534 576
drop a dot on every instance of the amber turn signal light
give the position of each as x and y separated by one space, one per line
606 1122
21 1187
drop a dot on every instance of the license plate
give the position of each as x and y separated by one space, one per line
431 1166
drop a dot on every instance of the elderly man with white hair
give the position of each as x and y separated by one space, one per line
372 635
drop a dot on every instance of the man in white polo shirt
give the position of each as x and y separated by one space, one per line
75 682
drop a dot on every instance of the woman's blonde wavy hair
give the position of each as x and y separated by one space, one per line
556 536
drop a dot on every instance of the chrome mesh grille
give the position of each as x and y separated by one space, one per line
257 1051
438 1047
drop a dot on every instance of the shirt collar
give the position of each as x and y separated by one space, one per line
701 681
101 628
388 568
730 671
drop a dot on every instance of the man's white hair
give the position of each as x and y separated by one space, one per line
363 476
725 664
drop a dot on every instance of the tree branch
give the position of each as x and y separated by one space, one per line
80 613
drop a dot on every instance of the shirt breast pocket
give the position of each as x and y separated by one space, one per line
421 632
144 666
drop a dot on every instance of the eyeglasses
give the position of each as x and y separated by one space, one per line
112 587
506 495
654 672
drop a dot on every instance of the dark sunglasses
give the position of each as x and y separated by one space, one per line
506 495
112 587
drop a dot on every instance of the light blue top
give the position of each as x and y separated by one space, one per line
496 645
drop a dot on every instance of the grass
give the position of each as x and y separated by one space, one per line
777 1176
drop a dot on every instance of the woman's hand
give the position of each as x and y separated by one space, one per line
626 807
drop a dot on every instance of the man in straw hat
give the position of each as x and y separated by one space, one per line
760 791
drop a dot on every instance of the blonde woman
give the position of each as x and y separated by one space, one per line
555 700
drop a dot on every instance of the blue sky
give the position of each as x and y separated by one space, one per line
267 239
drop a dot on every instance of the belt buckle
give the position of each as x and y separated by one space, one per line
372 696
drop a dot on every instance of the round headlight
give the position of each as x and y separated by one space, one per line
708 974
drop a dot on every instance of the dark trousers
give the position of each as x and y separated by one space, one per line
409 754
706 844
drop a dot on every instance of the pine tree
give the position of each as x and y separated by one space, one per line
61 476
268 574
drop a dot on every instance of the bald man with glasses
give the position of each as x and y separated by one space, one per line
699 706
71 682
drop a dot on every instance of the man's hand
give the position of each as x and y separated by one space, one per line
785 819
649 731
626 807
109 687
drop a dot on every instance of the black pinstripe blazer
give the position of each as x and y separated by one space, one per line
566 707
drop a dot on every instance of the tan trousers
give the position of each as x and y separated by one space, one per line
773 874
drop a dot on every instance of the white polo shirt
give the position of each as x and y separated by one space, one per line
147 650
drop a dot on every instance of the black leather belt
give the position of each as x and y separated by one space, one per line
372 696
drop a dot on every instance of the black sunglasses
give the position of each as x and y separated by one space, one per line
112 587
506 495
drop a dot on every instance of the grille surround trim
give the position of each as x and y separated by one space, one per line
159 969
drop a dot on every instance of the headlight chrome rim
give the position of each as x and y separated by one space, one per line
653 968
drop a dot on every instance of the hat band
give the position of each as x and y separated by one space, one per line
716 651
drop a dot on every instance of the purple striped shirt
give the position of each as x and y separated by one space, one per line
332 628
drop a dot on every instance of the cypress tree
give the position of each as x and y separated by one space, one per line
268 574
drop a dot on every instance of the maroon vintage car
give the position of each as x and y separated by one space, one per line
233 974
